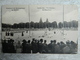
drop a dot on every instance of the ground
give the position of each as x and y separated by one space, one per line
57 34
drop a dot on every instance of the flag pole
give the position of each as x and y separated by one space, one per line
29 18
63 23
63 19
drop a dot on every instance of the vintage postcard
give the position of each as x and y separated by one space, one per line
43 29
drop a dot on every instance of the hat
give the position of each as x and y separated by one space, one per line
54 41
41 40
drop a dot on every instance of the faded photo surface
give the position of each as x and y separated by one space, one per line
42 29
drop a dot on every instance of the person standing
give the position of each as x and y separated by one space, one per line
45 47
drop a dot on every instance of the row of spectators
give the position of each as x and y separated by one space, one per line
38 46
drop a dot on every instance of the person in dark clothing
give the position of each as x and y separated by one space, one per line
2 42
11 33
54 46
41 46
57 48
50 47
22 34
8 46
28 46
34 46
7 33
62 45
11 48
38 46
45 47
74 45
24 49
4 45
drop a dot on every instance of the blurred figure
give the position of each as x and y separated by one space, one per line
54 46
24 49
38 46
22 34
62 45
41 46
74 47
11 34
18 47
28 46
33 43
57 48
45 47
4 45
54 32
66 49
11 48
50 47
6 33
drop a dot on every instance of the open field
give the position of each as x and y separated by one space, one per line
60 35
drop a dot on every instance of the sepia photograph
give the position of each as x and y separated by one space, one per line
39 29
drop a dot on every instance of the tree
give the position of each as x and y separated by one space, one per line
40 23
31 24
60 25
47 23
54 24
65 24
27 25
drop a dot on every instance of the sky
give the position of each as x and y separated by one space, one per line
23 13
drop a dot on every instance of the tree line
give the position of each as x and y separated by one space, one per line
41 24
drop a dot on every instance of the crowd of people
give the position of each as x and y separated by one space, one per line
39 46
